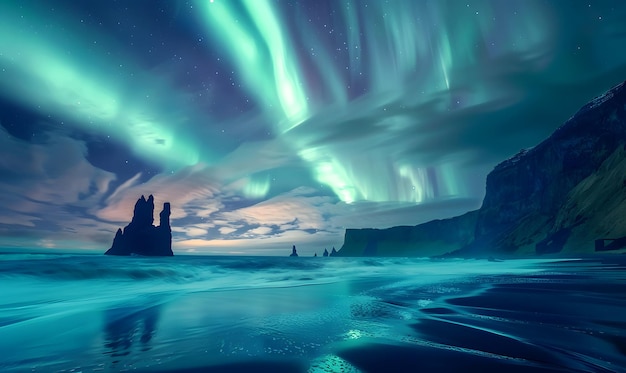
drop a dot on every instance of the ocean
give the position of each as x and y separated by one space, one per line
88 313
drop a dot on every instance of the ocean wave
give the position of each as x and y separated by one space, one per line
185 269
82 268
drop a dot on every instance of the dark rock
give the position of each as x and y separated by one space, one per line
141 237
609 244
315 255
325 252
557 197
293 251
436 237
333 252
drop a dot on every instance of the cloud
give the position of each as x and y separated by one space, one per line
54 171
194 231
311 221
18 219
191 191
260 231
253 157
227 230
48 188
288 208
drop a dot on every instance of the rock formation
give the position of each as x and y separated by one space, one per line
564 193
325 252
293 251
558 197
140 236
333 252
429 239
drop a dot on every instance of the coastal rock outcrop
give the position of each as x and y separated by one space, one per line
558 197
429 239
140 236
565 192
293 251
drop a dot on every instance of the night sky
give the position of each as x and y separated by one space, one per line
272 123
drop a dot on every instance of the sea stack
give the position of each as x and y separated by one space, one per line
140 236
293 251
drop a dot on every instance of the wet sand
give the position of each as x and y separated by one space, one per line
571 322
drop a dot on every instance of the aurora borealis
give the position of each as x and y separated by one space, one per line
269 123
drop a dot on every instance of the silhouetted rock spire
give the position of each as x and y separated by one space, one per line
140 237
325 252
293 251
333 252
164 216
144 212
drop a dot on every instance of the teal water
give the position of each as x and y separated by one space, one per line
70 313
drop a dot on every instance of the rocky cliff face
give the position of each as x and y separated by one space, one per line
140 237
557 197
429 239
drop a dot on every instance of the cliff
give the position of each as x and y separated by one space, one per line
140 236
429 239
564 193
558 197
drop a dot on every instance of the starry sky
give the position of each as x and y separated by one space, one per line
268 123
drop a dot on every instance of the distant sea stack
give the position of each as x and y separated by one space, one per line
293 251
141 237
566 195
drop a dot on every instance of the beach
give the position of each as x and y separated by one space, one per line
69 313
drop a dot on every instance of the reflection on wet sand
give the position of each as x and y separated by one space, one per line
129 329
